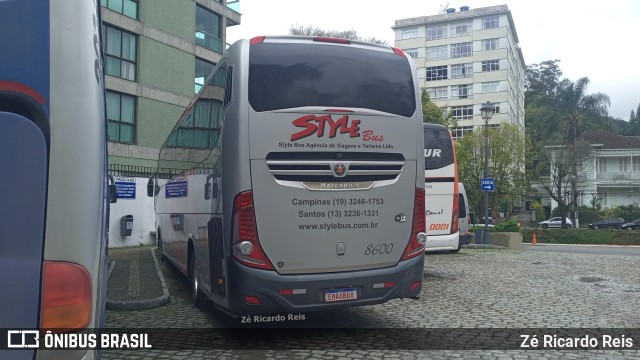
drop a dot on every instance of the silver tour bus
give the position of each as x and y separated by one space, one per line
294 180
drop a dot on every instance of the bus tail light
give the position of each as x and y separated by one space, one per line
399 52
455 216
257 40
331 40
252 300
415 285
66 296
418 227
247 249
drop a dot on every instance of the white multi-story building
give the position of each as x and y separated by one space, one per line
466 58
609 173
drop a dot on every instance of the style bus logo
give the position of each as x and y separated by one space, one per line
313 124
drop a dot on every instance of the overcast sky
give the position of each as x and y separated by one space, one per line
596 39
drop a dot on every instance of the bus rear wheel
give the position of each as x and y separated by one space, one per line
196 295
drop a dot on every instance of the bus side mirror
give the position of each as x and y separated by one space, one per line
113 198
152 188
210 189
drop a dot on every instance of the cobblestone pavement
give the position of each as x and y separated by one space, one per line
472 289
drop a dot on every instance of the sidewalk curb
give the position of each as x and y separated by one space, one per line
145 303
483 246
585 245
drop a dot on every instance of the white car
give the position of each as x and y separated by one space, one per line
555 222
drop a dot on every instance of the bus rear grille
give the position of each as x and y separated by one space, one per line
320 167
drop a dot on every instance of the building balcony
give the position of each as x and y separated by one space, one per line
234 5
208 41
618 176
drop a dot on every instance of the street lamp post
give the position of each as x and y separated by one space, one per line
486 111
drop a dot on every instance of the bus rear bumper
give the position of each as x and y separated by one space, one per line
309 289
442 242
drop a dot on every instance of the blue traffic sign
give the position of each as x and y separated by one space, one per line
487 184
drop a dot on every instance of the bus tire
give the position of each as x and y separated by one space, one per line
196 295
159 246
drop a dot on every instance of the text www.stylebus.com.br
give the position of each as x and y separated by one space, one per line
338 226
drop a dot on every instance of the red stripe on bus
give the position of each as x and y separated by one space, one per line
22 89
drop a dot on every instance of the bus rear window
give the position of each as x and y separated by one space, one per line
284 76
438 149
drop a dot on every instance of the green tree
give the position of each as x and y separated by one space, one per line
543 78
507 149
342 34
434 114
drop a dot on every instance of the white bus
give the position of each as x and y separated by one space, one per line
53 158
293 182
441 189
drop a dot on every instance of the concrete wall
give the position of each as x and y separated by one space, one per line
165 17
157 119
143 218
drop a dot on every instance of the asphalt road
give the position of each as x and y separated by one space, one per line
585 249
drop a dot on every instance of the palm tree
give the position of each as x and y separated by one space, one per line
576 105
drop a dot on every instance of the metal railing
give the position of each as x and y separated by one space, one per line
208 41
618 176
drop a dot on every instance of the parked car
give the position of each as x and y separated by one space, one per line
480 222
554 222
613 223
633 225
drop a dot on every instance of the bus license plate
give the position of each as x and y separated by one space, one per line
340 294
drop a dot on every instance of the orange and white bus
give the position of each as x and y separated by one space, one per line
441 189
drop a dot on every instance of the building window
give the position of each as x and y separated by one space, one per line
437 73
491 65
412 52
623 164
120 53
208 33
490 22
601 165
437 52
203 69
461 50
489 44
437 93
121 116
496 108
461 29
436 32
409 33
462 91
603 199
636 164
462 112
459 132
461 71
125 7
491 86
